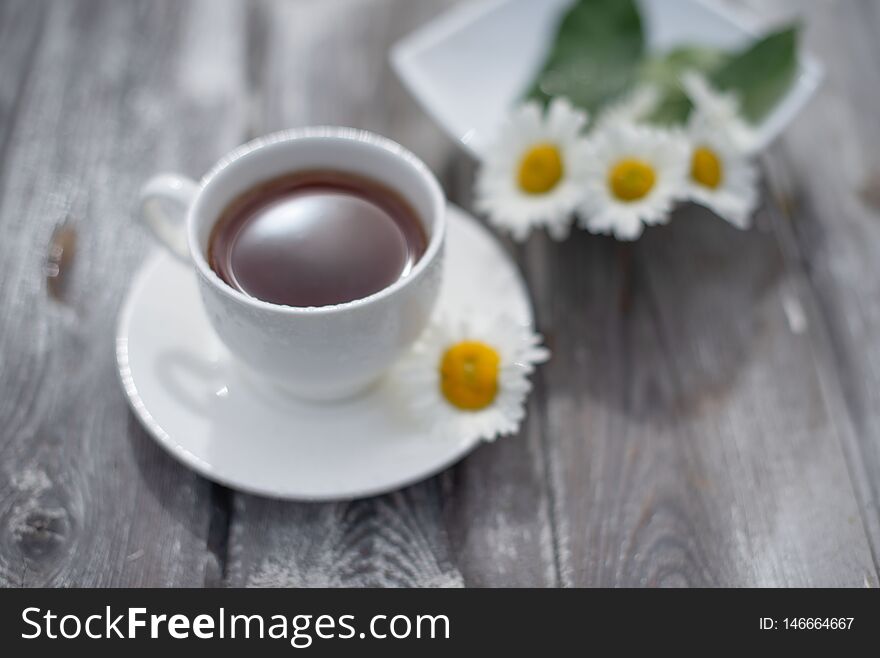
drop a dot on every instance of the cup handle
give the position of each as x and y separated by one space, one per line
168 227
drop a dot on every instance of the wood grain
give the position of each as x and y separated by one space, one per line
20 32
87 497
826 174
689 443
710 417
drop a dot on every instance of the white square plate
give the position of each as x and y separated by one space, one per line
469 66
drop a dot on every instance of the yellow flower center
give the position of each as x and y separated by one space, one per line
706 167
469 375
631 179
540 169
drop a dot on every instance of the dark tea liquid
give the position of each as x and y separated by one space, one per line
316 238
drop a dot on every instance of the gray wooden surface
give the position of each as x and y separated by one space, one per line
712 418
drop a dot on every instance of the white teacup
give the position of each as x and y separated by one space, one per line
325 352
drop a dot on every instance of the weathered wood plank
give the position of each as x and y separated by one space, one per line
826 175
692 440
116 91
689 442
20 27
327 63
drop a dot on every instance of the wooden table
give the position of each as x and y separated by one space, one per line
712 416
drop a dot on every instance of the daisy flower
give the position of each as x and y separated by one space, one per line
634 175
721 176
469 379
717 111
633 107
530 176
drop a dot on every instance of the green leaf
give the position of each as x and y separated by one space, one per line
762 73
664 72
598 54
595 55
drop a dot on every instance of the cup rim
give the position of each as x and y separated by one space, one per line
342 133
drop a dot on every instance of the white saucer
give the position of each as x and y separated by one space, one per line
197 403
